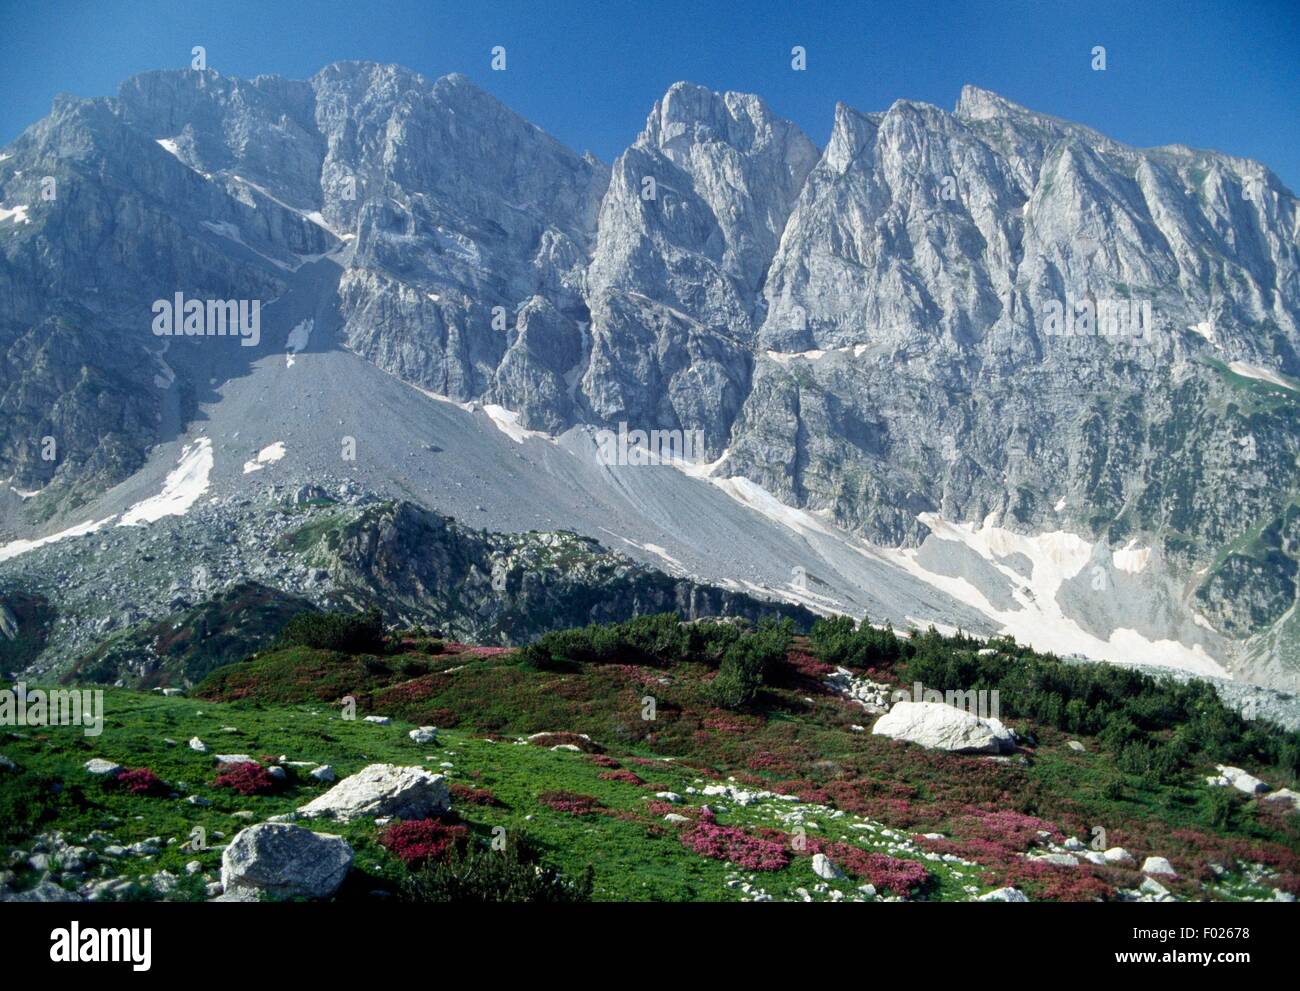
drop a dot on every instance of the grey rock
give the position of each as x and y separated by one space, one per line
285 861
382 790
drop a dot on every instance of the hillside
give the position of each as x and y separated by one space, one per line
755 762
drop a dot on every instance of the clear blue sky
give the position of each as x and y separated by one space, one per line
1221 75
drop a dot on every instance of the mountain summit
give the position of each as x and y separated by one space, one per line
985 368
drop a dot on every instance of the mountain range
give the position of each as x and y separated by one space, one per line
984 368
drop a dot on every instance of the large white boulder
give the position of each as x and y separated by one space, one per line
1242 781
1158 865
825 868
944 727
285 861
383 790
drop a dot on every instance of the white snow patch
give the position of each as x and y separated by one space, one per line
654 549
231 232
1205 328
315 217
507 421
266 456
1131 558
169 146
1039 620
16 213
16 547
1259 372
1060 504
764 503
182 488
298 339
5 157
785 357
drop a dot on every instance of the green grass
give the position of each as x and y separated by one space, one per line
796 739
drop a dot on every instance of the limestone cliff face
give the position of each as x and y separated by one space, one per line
874 331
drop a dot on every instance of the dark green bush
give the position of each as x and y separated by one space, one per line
748 662
481 875
837 641
361 633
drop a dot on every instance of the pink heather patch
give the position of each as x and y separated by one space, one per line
247 779
735 845
1006 829
140 781
571 802
885 872
421 840
627 777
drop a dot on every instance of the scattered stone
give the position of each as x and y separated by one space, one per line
1004 895
1158 865
1285 795
1118 855
378 720
669 796
285 861
46 891
199 745
1075 745
1057 859
1152 887
100 767
323 773
6 764
425 734
825 868
235 759
383 789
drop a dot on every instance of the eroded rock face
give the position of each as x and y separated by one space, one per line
864 329
944 727
383 790
285 861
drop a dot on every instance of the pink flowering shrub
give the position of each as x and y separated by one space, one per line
473 796
421 840
748 852
140 781
570 802
627 777
885 872
1048 882
246 778
600 760
1011 831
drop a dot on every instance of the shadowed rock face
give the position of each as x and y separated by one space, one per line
868 331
